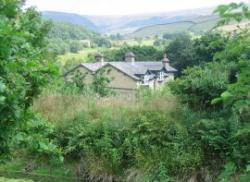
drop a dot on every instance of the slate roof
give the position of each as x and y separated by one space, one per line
93 66
156 66
129 69
134 70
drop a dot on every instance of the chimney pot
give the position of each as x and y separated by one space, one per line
130 57
165 60
99 58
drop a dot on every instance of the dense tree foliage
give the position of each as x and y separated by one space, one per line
66 37
181 52
208 45
171 36
68 31
143 53
185 52
24 68
199 85
223 133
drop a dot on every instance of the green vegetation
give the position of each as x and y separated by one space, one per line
24 70
184 51
196 25
143 53
13 180
195 128
66 37
67 31
162 29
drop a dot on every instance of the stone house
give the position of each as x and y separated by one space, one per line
130 74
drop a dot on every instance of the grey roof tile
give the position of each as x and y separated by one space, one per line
93 66
131 69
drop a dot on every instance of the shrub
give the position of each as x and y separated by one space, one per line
35 136
200 85
24 66
141 140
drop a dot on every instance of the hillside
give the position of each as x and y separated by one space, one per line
128 23
67 37
71 31
195 25
69 18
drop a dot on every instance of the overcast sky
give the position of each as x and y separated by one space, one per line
122 7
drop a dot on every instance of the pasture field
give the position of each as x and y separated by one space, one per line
161 29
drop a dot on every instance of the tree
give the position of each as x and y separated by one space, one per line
199 85
208 45
181 52
24 68
218 92
142 53
157 42
171 36
100 82
75 46
232 12
68 31
185 52
103 42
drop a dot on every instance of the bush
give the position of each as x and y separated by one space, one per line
36 137
24 66
137 140
200 85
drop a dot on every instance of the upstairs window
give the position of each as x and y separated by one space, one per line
161 76
145 80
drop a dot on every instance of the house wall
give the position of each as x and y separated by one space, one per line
120 80
151 84
88 78
170 77
158 85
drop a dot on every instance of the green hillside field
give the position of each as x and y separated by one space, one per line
197 25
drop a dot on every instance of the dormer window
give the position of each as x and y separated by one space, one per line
145 80
161 76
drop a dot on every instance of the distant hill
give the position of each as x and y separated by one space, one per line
196 25
69 18
69 31
135 23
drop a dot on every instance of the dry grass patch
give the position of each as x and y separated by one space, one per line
56 107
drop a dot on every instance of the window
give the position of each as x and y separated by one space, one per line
145 80
161 76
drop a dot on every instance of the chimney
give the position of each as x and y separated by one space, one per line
130 57
99 58
165 61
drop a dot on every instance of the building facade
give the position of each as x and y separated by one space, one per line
128 75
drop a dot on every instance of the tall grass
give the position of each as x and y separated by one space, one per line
137 138
57 107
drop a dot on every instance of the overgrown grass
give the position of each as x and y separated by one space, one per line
121 137
57 107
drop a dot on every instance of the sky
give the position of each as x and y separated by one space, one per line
122 7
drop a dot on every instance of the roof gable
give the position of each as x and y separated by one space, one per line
124 70
132 70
